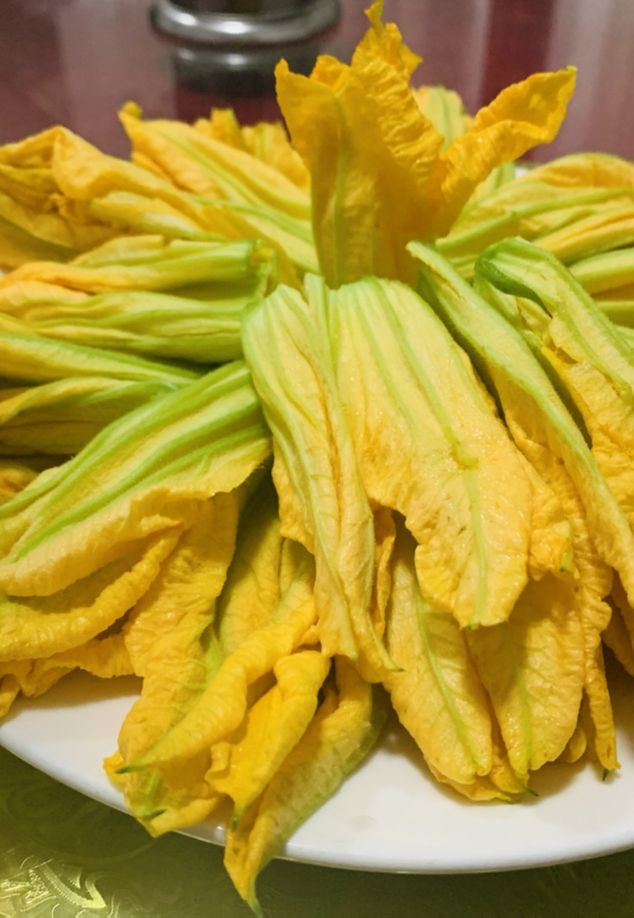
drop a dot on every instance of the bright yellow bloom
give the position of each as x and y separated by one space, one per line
379 174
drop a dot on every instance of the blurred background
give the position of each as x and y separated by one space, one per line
76 61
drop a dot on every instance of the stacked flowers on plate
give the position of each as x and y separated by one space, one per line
301 430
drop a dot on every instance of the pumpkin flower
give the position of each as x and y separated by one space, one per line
379 174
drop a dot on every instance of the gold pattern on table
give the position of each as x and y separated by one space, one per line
38 886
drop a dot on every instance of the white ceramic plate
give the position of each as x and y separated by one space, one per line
388 816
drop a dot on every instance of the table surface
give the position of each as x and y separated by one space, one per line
75 62
66 856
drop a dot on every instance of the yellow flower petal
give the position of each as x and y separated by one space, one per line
166 638
379 176
14 476
520 117
322 501
219 708
272 727
267 141
369 151
145 473
428 444
534 663
40 626
253 588
344 729
104 657
437 693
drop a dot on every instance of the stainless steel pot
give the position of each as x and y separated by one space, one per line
244 23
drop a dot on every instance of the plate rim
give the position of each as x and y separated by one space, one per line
306 845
